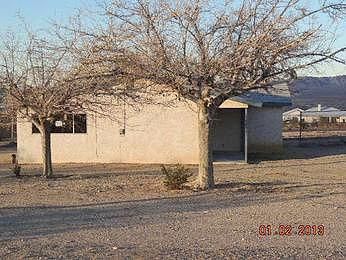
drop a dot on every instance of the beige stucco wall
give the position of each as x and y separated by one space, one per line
264 130
154 135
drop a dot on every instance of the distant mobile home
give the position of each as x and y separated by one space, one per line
293 114
251 123
318 113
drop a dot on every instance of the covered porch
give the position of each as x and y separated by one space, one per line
251 121
230 133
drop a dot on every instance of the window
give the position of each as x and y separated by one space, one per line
68 123
80 123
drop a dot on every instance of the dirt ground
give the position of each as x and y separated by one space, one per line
115 211
307 134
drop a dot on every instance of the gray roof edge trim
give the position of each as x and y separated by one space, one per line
247 101
262 104
277 104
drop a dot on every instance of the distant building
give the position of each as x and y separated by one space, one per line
318 113
321 114
293 114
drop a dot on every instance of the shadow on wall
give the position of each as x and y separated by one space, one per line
42 221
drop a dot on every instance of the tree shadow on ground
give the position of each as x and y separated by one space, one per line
292 152
66 175
296 164
252 185
37 221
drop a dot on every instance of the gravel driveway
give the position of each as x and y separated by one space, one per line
124 212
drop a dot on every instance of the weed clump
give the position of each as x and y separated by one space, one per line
175 177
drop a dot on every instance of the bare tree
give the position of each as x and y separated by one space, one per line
208 51
43 79
7 120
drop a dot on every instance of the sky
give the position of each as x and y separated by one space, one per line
38 13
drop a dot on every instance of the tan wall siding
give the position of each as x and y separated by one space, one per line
264 130
154 135
65 147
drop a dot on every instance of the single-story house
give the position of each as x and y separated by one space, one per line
251 123
322 114
326 116
293 114
318 113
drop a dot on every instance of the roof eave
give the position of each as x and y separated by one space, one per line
277 104
262 104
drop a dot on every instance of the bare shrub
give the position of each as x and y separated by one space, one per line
176 176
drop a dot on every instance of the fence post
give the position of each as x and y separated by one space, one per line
300 126
12 130
245 135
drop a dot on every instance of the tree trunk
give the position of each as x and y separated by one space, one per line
205 170
46 152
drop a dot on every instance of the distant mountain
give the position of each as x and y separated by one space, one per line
310 91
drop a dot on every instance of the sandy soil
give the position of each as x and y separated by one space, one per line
124 211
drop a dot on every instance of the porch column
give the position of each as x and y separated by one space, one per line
245 135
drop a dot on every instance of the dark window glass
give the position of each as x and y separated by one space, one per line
80 123
67 124
62 124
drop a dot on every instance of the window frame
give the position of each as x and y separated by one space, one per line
33 127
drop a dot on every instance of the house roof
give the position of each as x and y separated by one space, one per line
323 109
292 111
336 113
275 96
263 100
313 112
